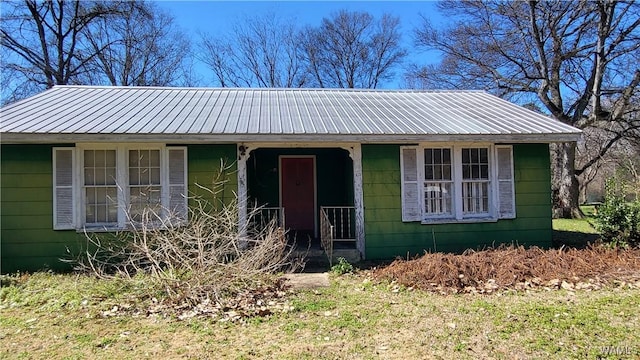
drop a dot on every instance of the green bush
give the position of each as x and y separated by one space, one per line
617 220
342 267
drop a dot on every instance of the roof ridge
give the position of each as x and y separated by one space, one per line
119 87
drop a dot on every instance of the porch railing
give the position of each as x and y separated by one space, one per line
264 215
337 224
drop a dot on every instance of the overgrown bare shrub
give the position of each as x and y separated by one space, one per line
207 258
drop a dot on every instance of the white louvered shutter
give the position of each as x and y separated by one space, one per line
506 190
411 209
63 194
178 181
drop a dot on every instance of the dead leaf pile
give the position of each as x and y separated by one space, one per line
262 301
516 267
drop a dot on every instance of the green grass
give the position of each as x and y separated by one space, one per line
588 210
576 232
584 226
59 317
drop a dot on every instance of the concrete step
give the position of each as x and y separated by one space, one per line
316 259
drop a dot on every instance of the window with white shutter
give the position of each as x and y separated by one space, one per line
110 186
63 188
457 183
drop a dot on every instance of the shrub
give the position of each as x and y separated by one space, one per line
617 220
342 267
209 258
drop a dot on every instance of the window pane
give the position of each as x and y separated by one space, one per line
438 198
91 195
134 176
112 196
437 156
99 160
475 164
110 176
145 199
484 155
446 156
466 156
154 158
88 158
475 171
437 164
144 158
101 205
133 158
484 172
100 176
437 172
446 172
89 176
474 156
475 197
466 171
100 190
428 156
110 158
428 172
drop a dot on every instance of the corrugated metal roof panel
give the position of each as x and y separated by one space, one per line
283 113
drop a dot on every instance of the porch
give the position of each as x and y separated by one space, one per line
311 192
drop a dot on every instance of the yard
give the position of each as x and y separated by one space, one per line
66 316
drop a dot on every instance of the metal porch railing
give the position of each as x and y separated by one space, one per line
337 224
262 216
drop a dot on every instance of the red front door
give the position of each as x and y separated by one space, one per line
297 191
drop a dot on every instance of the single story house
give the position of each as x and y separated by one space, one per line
389 173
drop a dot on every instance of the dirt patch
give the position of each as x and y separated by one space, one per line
516 268
307 280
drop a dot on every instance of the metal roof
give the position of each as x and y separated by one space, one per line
94 113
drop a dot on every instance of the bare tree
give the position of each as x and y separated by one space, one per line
579 60
140 47
43 38
353 50
261 51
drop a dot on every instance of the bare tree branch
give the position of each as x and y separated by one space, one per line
578 60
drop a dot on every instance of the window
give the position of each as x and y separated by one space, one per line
437 182
457 183
100 190
110 187
475 181
145 189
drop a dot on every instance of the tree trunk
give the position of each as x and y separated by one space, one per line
564 182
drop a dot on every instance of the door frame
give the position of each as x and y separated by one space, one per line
315 188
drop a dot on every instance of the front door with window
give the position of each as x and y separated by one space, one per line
297 193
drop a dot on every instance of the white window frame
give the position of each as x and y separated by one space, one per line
422 183
457 216
122 183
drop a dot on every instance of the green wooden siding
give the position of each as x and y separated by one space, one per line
204 168
387 236
27 239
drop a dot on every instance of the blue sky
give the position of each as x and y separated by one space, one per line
219 16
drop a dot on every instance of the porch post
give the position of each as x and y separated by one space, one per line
355 152
243 154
